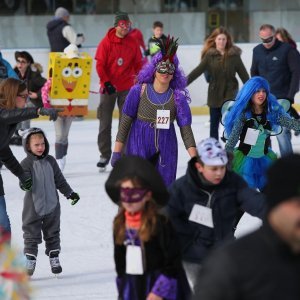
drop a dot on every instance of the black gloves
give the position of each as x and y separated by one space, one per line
74 197
25 182
109 88
51 112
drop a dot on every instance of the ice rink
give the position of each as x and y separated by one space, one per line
86 228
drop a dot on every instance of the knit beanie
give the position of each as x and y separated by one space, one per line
61 12
283 180
120 16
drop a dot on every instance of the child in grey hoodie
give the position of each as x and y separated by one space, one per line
41 211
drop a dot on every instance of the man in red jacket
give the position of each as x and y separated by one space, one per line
118 59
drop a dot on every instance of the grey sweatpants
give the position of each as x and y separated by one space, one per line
104 114
34 225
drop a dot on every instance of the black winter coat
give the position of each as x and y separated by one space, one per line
227 199
34 82
280 65
8 123
258 266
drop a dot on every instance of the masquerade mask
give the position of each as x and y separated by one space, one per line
164 67
132 195
124 24
267 40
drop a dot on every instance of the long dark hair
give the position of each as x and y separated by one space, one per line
149 217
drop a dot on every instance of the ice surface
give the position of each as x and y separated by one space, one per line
86 228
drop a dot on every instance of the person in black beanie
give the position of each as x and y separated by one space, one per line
265 264
119 60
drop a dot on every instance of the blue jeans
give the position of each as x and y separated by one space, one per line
4 220
284 142
215 116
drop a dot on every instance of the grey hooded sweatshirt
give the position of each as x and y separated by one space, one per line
46 177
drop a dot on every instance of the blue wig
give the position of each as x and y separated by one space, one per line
178 82
242 104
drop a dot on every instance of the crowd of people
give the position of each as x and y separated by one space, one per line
173 237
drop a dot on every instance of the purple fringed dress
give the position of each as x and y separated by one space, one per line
157 145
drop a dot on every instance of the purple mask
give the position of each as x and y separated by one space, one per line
132 195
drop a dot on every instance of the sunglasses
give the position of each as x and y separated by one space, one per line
22 62
124 24
132 195
165 68
24 96
267 40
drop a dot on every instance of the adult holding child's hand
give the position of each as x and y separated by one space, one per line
13 95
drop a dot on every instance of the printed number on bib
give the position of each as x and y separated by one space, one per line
163 119
251 136
202 215
134 260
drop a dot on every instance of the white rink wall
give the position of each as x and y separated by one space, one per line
189 57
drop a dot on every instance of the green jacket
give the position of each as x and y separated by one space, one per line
223 84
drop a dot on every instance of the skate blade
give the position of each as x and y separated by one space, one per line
102 169
56 276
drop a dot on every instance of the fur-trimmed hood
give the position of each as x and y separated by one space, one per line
234 50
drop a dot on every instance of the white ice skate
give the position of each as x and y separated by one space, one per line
54 262
30 263
61 163
102 163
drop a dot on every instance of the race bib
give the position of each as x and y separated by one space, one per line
134 260
202 215
163 119
251 136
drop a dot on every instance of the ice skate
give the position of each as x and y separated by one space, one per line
61 163
102 163
54 262
30 263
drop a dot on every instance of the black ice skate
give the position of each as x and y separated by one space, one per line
102 163
30 263
54 262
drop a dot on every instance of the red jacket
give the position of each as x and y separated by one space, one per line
118 60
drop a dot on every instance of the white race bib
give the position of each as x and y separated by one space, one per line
134 260
251 136
163 119
202 215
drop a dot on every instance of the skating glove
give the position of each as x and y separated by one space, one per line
109 88
74 197
115 157
51 112
25 182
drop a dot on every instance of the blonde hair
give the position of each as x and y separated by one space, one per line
148 222
9 89
210 41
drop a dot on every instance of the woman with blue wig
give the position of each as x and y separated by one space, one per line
153 104
255 116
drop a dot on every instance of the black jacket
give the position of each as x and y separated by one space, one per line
258 266
227 199
162 257
34 81
8 123
280 65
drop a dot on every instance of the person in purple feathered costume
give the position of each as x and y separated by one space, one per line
153 104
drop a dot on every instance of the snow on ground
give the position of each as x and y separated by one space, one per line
86 228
